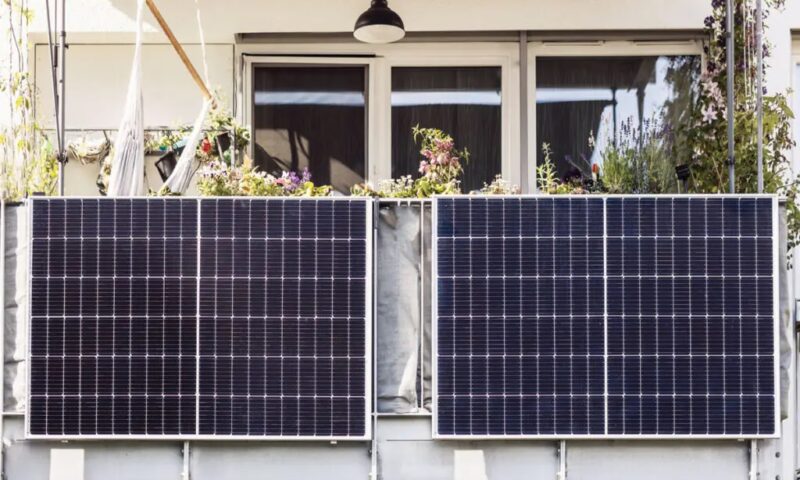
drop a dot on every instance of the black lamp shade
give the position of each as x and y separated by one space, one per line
379 24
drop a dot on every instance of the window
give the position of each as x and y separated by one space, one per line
607 98
465 102
311 117
346 110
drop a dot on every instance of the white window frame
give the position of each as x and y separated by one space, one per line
246 94
599 48
379 60
795 100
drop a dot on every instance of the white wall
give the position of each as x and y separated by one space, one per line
101 32
97 80
96 83
225 18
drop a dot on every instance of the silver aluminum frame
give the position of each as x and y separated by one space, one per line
368 350
776 328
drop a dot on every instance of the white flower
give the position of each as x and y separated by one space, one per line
709 113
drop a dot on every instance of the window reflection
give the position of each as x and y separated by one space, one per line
465 102
311 117
603 97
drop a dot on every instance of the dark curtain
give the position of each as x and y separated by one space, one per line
319 124
468 109
565 127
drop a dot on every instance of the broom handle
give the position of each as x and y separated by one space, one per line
179 49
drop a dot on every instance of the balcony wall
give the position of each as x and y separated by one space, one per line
403 448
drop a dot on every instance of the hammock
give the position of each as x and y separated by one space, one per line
180 178
127 166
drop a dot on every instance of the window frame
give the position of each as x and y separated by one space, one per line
599 48
379 61
247 95
795 99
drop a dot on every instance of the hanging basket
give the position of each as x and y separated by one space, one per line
89 151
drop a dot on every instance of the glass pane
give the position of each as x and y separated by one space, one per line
462 101
607 98
311 117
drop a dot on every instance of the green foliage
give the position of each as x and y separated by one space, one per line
707 132
28 163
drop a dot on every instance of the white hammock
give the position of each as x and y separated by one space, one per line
127 166
180 178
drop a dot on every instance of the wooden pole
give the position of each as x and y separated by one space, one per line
179 49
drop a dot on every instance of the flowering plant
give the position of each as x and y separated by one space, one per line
706 133
499 186
440 169
403 187
219 179
639 159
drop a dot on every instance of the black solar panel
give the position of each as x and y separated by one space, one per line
280 337
113 317
691 316
605 316
283 318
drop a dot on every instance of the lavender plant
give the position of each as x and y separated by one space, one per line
640 159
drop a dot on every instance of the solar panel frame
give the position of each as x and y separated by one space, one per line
368 343
776 241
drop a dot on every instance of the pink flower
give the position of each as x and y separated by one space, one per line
423 167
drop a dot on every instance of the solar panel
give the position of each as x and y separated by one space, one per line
112 325
604 316
284 318
199 318
691 315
